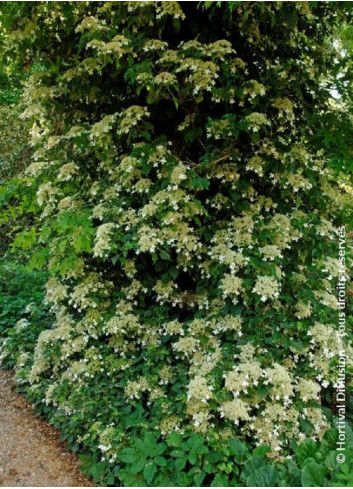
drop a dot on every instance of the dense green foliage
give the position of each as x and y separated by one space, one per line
14 141
15 155
21 305
192 170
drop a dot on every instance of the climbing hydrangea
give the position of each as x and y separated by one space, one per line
189 219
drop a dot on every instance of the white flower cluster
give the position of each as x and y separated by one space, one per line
102 240
266 288
232 287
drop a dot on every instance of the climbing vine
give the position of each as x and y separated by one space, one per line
188 219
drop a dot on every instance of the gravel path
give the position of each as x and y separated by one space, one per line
30 451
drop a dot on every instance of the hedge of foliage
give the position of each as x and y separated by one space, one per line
190 200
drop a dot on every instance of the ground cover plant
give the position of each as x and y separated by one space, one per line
189 179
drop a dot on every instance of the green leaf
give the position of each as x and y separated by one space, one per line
174 272
149 471
331 436
174 440
25 239
150 443
180 463
110 480
193 455
177 453
306 450
313 475
160 448
138 466
239 450
331 461
98 469
253 464
200 183
198 478
221 480
160 461
128 455
262 450
265 476
195 442
176 102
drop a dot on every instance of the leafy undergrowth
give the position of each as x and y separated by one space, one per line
181 459
22 313
191 461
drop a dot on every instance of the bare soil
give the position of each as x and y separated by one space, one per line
31 453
